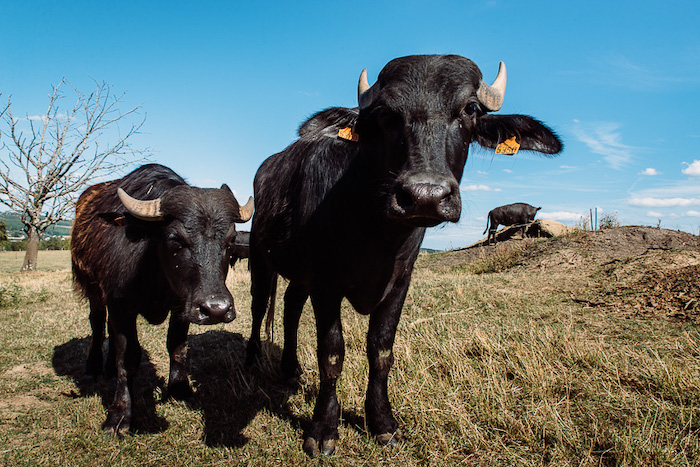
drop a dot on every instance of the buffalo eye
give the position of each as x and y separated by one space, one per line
470 110
388 119
175 242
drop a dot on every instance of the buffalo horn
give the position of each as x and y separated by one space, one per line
144 210
246 211
365 93
492 96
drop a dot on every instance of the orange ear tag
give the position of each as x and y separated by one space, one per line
508 147
348 134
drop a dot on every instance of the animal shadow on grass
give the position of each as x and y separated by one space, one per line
230 394
69 360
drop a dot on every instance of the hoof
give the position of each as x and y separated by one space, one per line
390 439
312 448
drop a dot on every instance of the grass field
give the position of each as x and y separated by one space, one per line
491 369
49 260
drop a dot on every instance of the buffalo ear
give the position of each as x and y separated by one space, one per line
531 134
114 218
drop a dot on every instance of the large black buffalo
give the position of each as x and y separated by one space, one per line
510 214
342 212
167 249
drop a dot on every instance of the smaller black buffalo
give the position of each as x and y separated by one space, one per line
165 251
510 214
241 247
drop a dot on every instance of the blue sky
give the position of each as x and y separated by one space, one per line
225 84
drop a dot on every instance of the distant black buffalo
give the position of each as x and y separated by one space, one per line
343 210
166 250
241 247
510 214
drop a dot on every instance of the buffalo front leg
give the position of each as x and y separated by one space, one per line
380 342
128 358
178 383
322 436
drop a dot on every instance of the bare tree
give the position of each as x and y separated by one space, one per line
46 160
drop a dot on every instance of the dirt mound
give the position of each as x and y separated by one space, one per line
630 270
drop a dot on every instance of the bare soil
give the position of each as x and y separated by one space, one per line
631 270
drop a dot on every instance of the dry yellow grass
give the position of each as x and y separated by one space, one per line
491 369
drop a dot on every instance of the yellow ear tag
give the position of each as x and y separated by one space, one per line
508 147
348 134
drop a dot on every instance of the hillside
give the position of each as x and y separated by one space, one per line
631 270
15 227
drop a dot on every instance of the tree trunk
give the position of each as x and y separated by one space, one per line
32 253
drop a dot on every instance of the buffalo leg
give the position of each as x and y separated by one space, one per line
98 316
322 436
262 279
178 384
380 342
294 299
111 363
128 357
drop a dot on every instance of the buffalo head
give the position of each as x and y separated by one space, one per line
419 119
194 242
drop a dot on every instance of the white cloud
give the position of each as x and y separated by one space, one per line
560 215
618 70
479 188
649 171
692 213
664 202
654 214
568 167
605 139
481 172
508 171
692 169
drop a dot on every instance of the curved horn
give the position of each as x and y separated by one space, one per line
246 211
144 210
365 93
492 96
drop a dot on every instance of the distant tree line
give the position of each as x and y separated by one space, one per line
51 243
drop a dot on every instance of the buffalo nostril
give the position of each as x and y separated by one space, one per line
423 194
215 307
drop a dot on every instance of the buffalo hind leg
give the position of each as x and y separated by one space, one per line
178 383
98 316
294 300
322 435
263 279
128 358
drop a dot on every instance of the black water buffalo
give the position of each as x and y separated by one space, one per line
510 214
165 250
241 247
342 212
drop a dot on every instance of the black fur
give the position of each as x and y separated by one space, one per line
129 266
510 214
346 219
